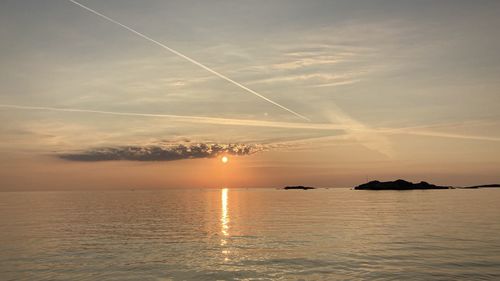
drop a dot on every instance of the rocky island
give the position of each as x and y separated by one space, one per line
398 185
298 187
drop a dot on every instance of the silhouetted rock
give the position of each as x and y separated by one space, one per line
398 185
299 187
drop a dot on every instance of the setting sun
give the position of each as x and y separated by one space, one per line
224 159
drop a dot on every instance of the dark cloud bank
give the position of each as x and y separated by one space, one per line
161 153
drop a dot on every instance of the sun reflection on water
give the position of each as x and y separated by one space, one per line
224 219
224 216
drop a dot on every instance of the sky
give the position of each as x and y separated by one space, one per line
322 93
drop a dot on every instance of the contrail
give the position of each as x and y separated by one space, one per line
259 123
190 119
189 59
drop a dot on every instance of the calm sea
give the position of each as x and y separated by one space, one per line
250 234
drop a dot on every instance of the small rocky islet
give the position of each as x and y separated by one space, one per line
299 187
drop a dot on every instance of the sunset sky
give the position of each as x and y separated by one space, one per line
392 89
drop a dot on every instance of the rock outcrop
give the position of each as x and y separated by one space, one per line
299 187
398 185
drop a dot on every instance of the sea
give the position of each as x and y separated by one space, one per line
250 234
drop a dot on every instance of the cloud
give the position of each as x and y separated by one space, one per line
314 77
308 62
340 83
162 152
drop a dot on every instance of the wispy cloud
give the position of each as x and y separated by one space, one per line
311 78
319 64
297 61
338 83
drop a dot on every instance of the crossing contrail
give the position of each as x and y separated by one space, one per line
222 76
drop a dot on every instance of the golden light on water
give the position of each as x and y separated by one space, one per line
224 159
224 216
224 219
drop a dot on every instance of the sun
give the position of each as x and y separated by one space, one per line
224 159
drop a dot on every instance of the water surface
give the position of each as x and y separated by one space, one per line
250 234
